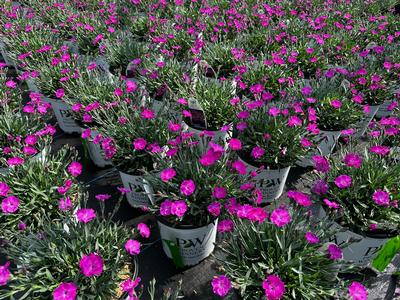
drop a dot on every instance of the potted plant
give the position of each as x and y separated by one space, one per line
273 138
211 107
36 188
359 189
332 110
131 133
285 257
85 256
191 187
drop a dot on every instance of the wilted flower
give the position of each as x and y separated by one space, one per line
320 187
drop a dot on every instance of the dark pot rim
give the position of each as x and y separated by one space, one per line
167 223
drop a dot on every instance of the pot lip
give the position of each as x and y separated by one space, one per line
255 166
202 130
165 222
374 234
125 173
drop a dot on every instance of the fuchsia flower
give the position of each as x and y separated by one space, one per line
274 287
320 187
85 215
336 103
131 86
353 160
129 285
64 204
139 144
240 167
219 192
148 114
312 238
15 161
75 168
380 150
221 285
4 189
331 204
91 265
179 208
280 217
65 291
321 164
301 198
214 208
335 253
294 121
381 198
60 93
225 226
132 247
4 274
188 187
144 230
167 174
257 152
357 291
11 84
235 144
10 205
102 197
343 181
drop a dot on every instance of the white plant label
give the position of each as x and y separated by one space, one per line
363 124
64 116
140 192
96 153
198 116
194 244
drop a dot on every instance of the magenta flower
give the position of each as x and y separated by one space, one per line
235 144
257 152
321 164
188 187
60 93
4 274
335 253
179 208
210 157
353 160
380 150
343 181
336 103
280 217
102 197
91 265
167 174
274 287
300 198
240 167
65 291
132 247
221 285
320 187
131 86
381 198
312 238
294 121
15 161
144 230
129 285
148 114
165 208
331 204
214 208
85 215
75 168
219 192
225 226
357 291
4 189
64 204
10 204
139 144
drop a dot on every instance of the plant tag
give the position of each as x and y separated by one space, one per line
198 117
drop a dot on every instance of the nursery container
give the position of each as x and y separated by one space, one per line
270 181
3 53
141 192
328 140
187 245
364 123
383 109
96 153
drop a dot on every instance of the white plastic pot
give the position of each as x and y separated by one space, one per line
96 153
364 123
328 140
141 192
5 56
270 181
188 246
